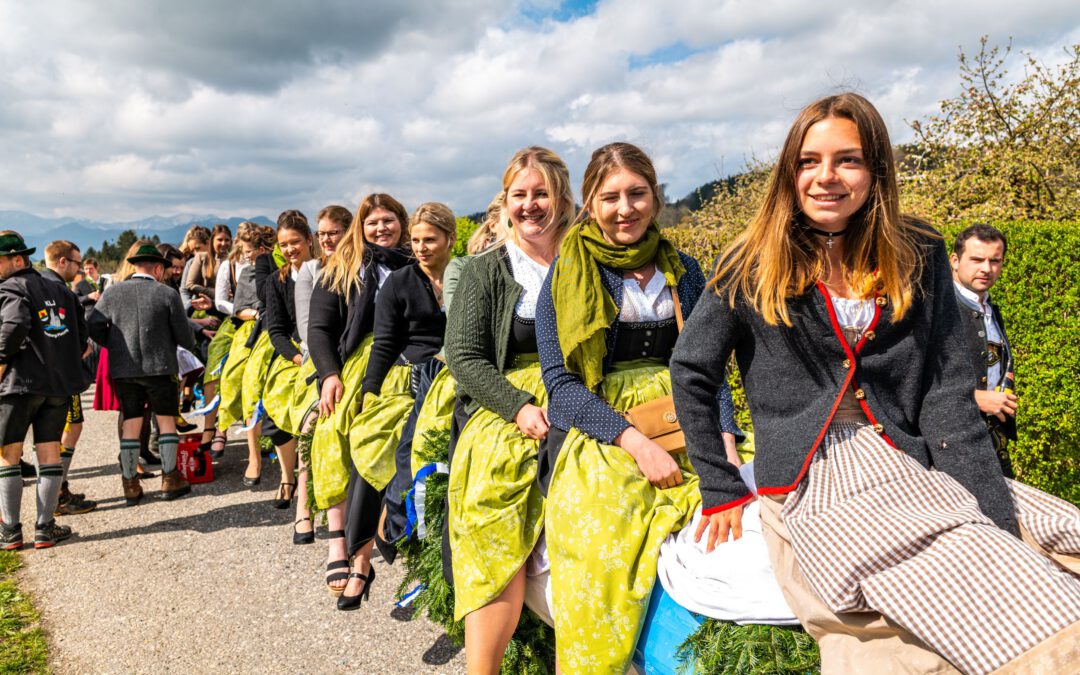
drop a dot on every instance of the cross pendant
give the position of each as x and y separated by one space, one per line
830 240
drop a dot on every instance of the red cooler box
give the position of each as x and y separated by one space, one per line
194 466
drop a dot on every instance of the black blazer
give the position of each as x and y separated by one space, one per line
336 329
915 375
409 323
279 315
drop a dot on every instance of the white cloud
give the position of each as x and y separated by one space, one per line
117 111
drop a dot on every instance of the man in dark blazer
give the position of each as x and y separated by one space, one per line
141 321
977 260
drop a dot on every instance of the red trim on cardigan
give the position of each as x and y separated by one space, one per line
836 404
728 505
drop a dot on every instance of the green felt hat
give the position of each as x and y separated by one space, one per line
148 253
13 244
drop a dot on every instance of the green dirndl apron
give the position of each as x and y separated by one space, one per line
305 395
434 415
217 350
377 428
496 509
255 369
230 410
279 391
330 458
605 523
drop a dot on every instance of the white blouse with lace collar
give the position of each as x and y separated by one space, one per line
652 303
530 274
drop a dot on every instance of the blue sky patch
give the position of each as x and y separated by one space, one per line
672 53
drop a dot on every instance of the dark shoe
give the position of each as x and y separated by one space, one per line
143 473
73 505
184 427
285 494
217 446
332 576
50 535
11 538
303 537
65 491
173 486
350 602
132 491
28 469
252 482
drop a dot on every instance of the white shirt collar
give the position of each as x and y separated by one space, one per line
140 275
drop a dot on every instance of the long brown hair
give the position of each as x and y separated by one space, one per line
297 222
776 258
341 270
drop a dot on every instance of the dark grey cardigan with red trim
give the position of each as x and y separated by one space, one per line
915 373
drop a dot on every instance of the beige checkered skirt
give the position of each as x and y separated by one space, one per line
873 530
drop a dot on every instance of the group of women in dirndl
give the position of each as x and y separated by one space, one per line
893 536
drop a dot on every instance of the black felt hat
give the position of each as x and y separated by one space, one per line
148 253
13 244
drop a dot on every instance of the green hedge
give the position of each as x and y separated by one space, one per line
1039 296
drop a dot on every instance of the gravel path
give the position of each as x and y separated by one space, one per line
208 583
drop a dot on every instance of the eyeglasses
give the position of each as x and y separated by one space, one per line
329 235
77 263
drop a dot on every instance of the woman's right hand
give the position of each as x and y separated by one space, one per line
329 395
655 463
720 524
532 421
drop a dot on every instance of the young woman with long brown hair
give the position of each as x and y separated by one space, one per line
606 321
891 529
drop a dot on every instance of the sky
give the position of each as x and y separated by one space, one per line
116 110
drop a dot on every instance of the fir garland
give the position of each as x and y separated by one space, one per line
722 647
532 648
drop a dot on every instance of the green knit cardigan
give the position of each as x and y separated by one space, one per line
478 330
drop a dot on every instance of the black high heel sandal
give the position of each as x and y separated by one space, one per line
350 602
218 451
284 496
303 537
336 565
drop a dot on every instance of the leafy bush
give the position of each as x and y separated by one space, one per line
465 228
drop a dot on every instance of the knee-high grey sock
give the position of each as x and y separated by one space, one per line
66 454
49 479
167 447
129 451
10 494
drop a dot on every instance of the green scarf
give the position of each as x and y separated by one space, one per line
584 310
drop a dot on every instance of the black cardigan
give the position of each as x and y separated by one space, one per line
279 315
915 375
409 323
336 329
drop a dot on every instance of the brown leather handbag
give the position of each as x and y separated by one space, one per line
656 419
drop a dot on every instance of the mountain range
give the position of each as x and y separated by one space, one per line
39 231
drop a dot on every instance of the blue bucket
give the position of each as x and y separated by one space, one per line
667 625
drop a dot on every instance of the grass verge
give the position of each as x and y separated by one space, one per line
23 648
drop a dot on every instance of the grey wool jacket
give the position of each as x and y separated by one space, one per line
141 322
913 378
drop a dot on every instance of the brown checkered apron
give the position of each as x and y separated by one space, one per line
872 530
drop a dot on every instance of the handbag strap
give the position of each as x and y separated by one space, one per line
678 308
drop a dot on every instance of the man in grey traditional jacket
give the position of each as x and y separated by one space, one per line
141 322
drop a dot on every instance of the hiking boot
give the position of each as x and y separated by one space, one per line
66 492
132 490
50 534
72 504
173 486
11 537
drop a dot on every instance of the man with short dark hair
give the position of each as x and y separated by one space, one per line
142 322
977 260
63 260
42 338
